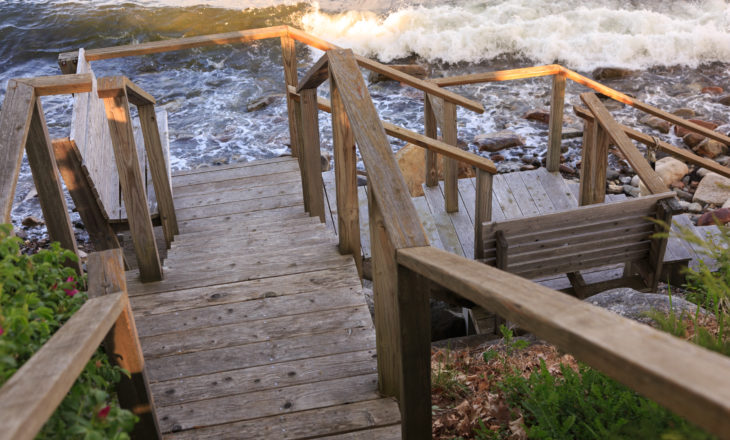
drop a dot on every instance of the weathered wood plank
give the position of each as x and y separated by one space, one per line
31 395
557 102
238 207
237 172
59 84
362 197
430 129
557 189
241 184
429 225
216 168
502 75
451 166
447 233
539 196
463 225
482 210
383 433
289 59
310 155
522 196
226 220
506 199
227 196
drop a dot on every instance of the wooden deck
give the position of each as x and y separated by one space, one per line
259 329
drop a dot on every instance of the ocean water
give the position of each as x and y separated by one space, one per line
675 48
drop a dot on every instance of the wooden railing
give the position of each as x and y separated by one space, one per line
33 393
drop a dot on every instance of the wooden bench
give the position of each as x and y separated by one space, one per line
583 238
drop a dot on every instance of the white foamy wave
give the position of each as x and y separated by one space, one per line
582 35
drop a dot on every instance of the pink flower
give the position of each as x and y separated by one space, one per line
1 330
70 279
103 412
71 292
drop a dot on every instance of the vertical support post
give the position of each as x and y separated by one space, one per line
483 210
106 276
415 356
385 298
300 141
348 213
43 166
430 130
594 163
289 57
557 103
658 247
451 166
310 155
80 187
158 168
601 165
130 178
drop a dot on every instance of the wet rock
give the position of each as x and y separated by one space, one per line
710 148
325 159
635 305
497 157
692 140
631 191
712 90
31 222
683 195
566 169
713 188
656 123
685 113
411 69
721 215
603 73
724 100
538 115
615 189
412 162
498 141
694 208
681 131
263 102
219 161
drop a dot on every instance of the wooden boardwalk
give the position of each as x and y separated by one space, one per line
259 329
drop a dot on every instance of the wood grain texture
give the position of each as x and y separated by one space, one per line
84 194
31 395
654 363
502 75
43 166
158 167
316 75
557 103
650 178
15 118
310 155
130 177
59 84
451 167
390 190
482 209
289 59
430 130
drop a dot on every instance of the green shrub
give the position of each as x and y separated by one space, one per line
37 296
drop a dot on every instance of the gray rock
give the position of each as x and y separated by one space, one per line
694 208
635 180
612 174
263 102
684 113
636 305
713 188
626 180
683 195
656 123
498 141
683 204
725 100
632 191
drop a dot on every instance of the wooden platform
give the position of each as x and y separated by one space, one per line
259 329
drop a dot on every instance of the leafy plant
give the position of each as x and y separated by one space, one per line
38 294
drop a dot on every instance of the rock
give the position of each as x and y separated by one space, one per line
411 69
615 189
671 169
712 90
263 102
684 113
710 148
538 115
603 73
498 141
625 180
570 133
635 180
678 185
702 172
683 195
725 100
21 234
635 305
362 181
31 222
683 204
694 208
612 174
566 169
412 162
31 194
325 159
713 188
656 123
83 255
721 215
692 139
681 131
631 191
496 157
527 167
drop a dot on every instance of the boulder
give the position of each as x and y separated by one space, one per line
724 100
710 148
721 215
411 69
603 73
263 102
412 162
684 113
681 131
538 115
692 140
712 90
498 141
694 208
656 123
631 191
636 305
31 222
566 169
671 169
713 188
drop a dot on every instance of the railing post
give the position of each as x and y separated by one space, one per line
310 161
106 276
483 210
130 178
430 130
557 103
43 166
348 214
594 162
451 167
289 58
158 167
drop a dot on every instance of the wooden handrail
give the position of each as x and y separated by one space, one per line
113 86
31 395
501 75
426 142
684 377
59 84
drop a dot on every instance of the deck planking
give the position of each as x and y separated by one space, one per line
260 328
